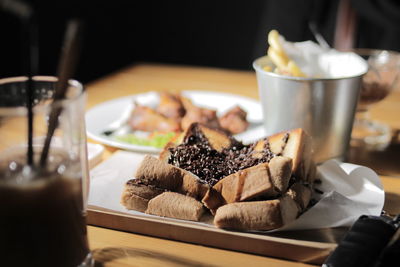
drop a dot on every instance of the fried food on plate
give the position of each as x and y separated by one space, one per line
170 105
175 113
234 120
147 119
194 113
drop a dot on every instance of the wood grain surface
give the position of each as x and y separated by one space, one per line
115 248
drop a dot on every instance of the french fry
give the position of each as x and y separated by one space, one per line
294 69
267 68
273 40
279 58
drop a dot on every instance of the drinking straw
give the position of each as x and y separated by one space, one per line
31 66
30 59
66 68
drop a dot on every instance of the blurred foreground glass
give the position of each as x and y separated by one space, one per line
381 78
43 212
324 108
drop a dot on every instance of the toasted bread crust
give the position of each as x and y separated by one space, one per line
265 179
213 200
136 195
280 170
134 202
192 186
158 173
256 215
175 205
163 175
218 139
295 144
301 194
241 186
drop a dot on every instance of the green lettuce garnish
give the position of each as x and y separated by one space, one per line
158 140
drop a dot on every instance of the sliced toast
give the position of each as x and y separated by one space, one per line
197 132
266 180
137 194
158 173
295 144
163 175
257 215
301 194
175 205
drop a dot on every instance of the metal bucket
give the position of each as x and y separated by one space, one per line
324 108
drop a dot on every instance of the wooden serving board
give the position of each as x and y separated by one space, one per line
104 209
308 246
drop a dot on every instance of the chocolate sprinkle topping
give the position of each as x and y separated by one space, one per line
196 155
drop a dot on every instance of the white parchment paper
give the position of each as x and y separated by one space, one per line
319 62
349 191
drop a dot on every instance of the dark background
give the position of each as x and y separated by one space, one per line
226 34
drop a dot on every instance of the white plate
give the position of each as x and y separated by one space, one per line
113 113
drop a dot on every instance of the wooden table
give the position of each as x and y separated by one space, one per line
116 248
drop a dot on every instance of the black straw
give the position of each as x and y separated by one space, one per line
30 58
66 69
31 67
30 53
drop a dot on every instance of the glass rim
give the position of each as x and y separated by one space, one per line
372 51
376 54
21 110
258 67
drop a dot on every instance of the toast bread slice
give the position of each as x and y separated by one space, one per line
301 194
136 195
257 215
175 205
265 179
217 139
295 144
158 173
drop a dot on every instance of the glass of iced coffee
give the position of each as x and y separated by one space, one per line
42 202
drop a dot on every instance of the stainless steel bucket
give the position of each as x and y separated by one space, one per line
324 108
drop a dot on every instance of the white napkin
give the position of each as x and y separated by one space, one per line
350 191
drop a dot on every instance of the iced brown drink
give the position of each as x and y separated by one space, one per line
42 214
42 221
